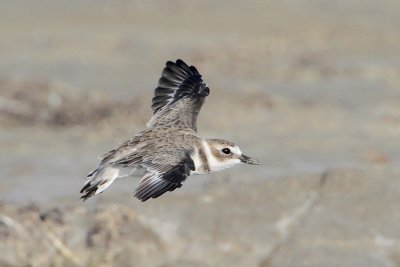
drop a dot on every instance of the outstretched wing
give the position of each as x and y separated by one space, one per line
166 167
161 178
179 96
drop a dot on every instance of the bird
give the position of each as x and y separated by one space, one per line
169 150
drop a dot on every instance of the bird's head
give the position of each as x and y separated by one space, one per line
225 154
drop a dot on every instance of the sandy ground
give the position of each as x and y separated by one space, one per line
311 88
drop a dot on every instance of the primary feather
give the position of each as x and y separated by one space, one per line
178 97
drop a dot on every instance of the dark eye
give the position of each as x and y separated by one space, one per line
226 151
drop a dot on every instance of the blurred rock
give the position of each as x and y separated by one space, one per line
30 103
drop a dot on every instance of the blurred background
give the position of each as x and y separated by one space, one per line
311 88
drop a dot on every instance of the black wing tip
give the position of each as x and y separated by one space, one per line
178 79
153 187
141 197
178 71
179 62
146 191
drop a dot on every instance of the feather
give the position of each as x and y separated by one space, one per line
177 81
163 178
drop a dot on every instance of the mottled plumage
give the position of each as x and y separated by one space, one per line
170 150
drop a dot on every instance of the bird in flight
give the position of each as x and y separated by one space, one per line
169 150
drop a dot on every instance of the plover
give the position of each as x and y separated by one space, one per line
169 150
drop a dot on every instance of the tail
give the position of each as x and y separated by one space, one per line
98 181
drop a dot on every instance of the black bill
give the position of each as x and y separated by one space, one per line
248 160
